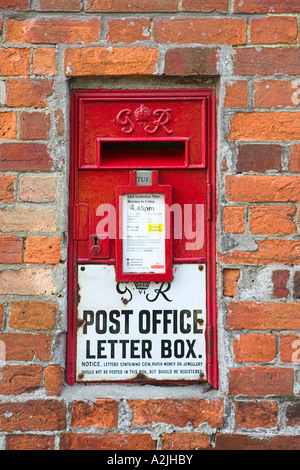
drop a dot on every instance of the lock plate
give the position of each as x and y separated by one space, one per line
99 247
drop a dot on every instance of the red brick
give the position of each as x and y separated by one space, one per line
185 441
33 415
31 315
275 93
24 157
8 125
7 188
28 92
29 442
112 441
272 220
290 348
35 126
200 30
262 188
261 381
279 279
42 250
92 61
128 30
230 281
132 6
263 315
54 376
20 379
296 285
256 414
205 5
14 61
246 442
10 249
26 281
103 414
60 5
267 61
59 122
266 6
268 252
234 219
254 348
44 61
265 126
177 412
294 162
273 30
22 5
27 346
293 415
1 316
258 158
52 30
236 94
191 61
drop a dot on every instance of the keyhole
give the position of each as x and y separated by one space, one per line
96 248
96 241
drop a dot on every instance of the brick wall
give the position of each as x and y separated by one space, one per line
250 51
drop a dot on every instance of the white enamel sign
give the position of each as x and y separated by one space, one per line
148 331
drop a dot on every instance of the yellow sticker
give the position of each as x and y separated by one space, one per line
155 227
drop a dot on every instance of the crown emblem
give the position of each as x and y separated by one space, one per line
142 114
142 285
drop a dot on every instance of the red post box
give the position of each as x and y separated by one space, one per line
141 285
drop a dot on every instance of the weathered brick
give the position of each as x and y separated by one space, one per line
27 346
10 249
265 126
8 125
177 412
91 61
27 219
103 414
38 189
33 415
112 441
29 442
296 285
275 93
247 442
7 188
191 61
59 122
35 126
272 220
256 414
42 250
54 376
28 92
52 30
205 5
268 252
294 162
267 61
234 219
200 30
30 315
290 348
20 379
14 61
236 94
273 30
266 6
44 61
60 5
128 30
26 281
254 348
263 315
185 441
17 156
133 6
293 415
268 188
279 279
258 158
230 281
1 317
261 381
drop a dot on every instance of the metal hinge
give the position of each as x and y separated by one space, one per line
81 221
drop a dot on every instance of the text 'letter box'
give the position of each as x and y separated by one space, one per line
141 302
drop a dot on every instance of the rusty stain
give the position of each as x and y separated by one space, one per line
200 267
81 376
80 322
125 301
200 321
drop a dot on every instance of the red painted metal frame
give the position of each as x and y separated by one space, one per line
133 188
78 98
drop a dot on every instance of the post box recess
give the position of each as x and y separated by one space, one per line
142 214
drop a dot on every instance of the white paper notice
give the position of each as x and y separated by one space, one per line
144 233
